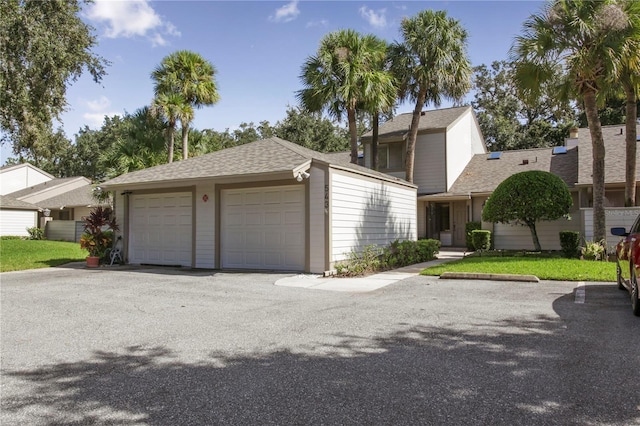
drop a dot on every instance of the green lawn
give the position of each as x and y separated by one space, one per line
543 267
16 255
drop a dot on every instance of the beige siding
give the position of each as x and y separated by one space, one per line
79 213
118 207
317 214
429 171
514 237
367 212
16 222
463 142
614 217
421 219
205 238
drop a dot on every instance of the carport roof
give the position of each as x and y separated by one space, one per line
270 155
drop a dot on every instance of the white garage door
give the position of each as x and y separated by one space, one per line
263 228
161 229
16 222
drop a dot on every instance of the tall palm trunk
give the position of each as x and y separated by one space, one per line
597 147
185 141
374 141
631 142
170 142
413 135
353 132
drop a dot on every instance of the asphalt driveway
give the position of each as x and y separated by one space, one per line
167 347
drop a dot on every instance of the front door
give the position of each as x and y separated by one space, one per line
459 223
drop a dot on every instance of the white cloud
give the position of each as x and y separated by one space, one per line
98 108
95 119
374 18
322 23
100 104
286 13
132 18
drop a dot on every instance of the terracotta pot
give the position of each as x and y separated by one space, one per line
93 261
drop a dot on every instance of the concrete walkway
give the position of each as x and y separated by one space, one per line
368 283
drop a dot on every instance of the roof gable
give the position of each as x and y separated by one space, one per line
437 119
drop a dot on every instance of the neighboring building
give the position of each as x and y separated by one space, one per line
269 204
455 176
20 176
59 205
16 216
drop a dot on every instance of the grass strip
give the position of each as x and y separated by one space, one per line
18 255
545 268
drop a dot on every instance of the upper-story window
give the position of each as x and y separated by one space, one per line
391 156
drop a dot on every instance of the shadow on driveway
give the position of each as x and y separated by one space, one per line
509 372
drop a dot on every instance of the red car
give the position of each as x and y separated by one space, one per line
628 261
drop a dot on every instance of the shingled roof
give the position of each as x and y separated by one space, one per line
82 196
270 155
11 203
483 175
436 119
615 156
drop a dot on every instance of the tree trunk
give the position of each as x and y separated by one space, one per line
185 141
374 141
597 147
631 142
353 132
170 143
534 236
413 135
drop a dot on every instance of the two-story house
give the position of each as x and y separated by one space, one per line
447 141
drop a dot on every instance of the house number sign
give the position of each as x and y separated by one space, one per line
205 198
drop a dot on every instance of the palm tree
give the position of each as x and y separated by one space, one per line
168 106
431 63
630 78
343 74
583 37
379 97
190 75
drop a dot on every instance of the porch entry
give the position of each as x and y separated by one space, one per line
446 222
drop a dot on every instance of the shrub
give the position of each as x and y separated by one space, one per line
526 198
481 239
468 227
395 255
359 263
570 243
408 252
36 233
593 250
11 237
96 238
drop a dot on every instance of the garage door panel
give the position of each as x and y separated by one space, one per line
273 218
253 198
161 229
293 217
272 222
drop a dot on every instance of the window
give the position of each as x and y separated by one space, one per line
442 215
391 156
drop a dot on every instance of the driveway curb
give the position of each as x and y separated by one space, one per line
495 277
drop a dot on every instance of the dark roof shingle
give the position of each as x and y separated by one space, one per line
436 119
483 175
255 158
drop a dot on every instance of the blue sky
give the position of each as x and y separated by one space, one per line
257 47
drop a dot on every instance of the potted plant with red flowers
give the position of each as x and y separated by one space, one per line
97 237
